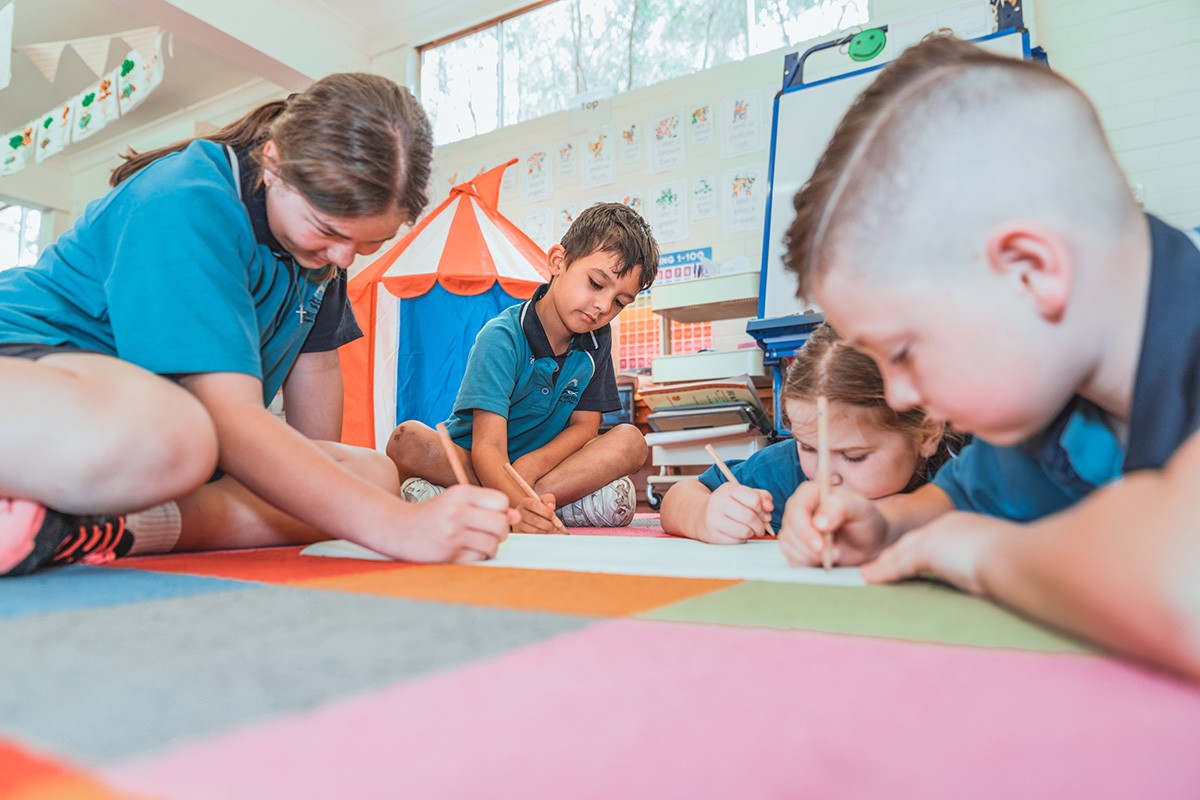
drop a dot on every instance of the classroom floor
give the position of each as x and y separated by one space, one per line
268 674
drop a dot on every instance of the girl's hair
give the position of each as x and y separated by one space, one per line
353 144
828 365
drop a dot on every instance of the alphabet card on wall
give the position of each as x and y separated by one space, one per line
741 124
599 168
563 218
537 181
745 191
565 160
668 211
666 143
631 144
700 125
702 199
539 226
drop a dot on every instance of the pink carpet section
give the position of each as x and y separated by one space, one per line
648 709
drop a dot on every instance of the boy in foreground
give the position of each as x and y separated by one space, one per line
969 227
537 381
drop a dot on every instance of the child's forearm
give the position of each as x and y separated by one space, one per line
904 512
488 462
684 506
1120 568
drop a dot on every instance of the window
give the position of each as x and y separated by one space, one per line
19 230
532 63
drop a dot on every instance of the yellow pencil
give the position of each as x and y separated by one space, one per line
516 476
460 474
823 477
729 476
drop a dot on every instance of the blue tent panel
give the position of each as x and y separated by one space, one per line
436 332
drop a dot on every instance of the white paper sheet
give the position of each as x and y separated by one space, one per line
758 560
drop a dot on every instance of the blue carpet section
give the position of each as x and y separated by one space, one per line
79 586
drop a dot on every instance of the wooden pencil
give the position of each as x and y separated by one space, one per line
729 476
516 476
823 477
460 474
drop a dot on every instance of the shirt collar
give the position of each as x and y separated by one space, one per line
539 344
254 198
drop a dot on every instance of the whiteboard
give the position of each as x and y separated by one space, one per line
805 118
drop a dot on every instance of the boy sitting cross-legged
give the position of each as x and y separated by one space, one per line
538 378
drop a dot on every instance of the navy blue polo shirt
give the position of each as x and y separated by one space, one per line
512 371
775 468
1079 452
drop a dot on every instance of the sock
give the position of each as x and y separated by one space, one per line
156 529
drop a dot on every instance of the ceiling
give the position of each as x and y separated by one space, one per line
220 45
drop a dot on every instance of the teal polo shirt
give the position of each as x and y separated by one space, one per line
1078 452
775 468
512 371
166 272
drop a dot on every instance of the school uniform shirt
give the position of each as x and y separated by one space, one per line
175 270
775 468
1079 452
512 371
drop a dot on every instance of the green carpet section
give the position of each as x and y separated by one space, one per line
916 611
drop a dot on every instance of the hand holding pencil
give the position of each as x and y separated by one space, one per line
529 491
729 476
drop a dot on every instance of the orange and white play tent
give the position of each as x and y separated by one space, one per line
422 303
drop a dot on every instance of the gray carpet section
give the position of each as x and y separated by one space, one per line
108 683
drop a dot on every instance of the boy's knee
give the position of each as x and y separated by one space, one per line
628 440
408 447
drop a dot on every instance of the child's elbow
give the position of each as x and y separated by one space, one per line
1182 613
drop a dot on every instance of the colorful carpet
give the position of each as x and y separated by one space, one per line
265 674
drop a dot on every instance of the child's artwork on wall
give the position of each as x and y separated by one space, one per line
16 148
508 183
741 124
700 125
666 143
633 199
631 144
598 168
54 132
565 159
95 107
745 190
539 226
703 197
668 211
537 181
140 73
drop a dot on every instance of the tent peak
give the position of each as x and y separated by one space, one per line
486 185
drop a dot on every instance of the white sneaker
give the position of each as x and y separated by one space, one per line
610 506
414 490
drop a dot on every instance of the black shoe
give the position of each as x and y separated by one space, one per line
68 538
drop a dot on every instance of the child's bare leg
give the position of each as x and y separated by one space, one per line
88 433
609 456
226 515
416 450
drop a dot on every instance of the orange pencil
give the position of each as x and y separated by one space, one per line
729 475
823 477
516 476
460 474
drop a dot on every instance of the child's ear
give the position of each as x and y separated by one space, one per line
1036 257
556 259
931 436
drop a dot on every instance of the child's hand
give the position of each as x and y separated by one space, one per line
536 516
951 548
735 513
859 528
463 523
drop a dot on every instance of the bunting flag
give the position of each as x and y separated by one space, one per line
6 34
94 52
15 148
140 73
45 57
95 107
54 132
146 41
